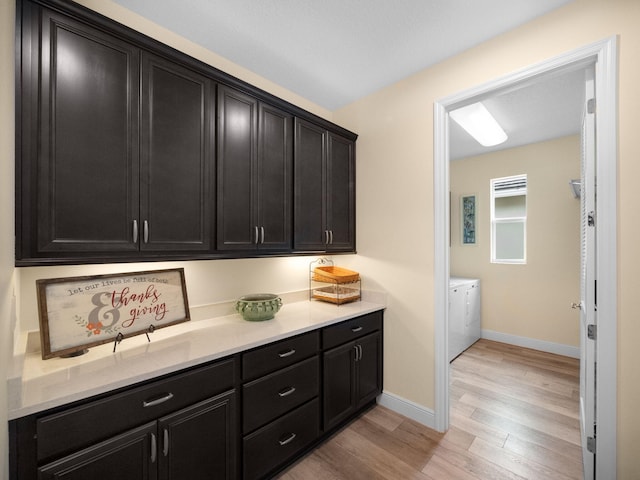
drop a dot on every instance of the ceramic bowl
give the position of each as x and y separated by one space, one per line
258 306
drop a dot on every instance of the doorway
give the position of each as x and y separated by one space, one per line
601 55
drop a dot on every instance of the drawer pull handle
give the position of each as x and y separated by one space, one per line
289 439
287 392
287 354
157 401
356 329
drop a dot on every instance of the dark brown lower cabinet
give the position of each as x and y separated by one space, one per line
197 443
181 426
247 416
281 440
125 457
281 407
352 378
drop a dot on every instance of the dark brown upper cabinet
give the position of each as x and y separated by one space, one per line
80 155
120 158
176 205
255 159
324 196
129 150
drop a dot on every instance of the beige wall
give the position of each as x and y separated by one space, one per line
529 300
7 316
395 185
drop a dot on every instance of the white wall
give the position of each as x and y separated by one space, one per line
531 300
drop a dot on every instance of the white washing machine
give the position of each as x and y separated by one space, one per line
464 314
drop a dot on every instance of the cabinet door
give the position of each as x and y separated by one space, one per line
274 178
87 140
369 368
237 153
130 456
324 190
199 442
339 384
176 158
309 183
340 193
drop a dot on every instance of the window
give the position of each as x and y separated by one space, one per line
509 219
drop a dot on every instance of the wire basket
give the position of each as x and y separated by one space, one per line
332 284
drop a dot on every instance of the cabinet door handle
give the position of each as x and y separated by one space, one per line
165 442
157 401
289 439
153 448
330 237
135 231
356 329
287 354
145 232
287 391
358 352
255 231
355 352
326 237
261 234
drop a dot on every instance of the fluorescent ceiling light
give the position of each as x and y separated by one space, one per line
479 123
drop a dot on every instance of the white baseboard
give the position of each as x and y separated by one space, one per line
550 347
409 409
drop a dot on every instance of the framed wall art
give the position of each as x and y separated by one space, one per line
468 216
81 312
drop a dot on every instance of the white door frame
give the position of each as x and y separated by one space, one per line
603 55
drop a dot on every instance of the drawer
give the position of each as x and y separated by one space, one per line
351 329
280 354
271 396
104 418
280 440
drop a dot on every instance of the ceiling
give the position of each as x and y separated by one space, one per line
334 52
551 107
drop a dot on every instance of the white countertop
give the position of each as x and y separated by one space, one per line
37 384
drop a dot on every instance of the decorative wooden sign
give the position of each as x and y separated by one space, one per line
81 312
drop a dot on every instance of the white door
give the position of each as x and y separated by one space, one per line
588 307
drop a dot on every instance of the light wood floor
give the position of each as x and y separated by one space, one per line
514 415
